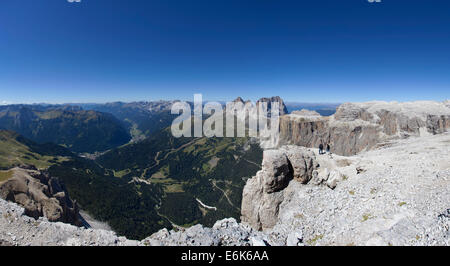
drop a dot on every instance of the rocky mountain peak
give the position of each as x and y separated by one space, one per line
238 100
282 106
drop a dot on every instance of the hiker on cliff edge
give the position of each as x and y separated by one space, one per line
320 148
328 148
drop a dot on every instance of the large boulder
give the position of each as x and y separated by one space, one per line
263 194
276 170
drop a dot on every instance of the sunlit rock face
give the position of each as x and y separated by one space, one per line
362 126
263 193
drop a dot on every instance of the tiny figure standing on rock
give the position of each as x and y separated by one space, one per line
320 148
328 148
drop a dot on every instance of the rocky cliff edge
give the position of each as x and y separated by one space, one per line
357 127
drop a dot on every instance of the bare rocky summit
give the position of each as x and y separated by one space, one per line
282 109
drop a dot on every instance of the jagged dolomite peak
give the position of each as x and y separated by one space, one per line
305 114
264 109
357 127
282 107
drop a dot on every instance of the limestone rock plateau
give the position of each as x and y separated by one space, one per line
356 127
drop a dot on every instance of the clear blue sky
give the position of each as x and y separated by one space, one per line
309 51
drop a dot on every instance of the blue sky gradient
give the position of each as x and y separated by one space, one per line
306 51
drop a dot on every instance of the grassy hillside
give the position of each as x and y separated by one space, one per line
16 150
129 208
76 129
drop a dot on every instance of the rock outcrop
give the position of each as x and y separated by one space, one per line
393 190
40 195
263 194
269 101
356 127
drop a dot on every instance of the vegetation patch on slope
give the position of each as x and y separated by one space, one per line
213 170
16 150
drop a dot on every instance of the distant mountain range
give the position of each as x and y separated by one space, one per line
72 127
324 109
89 128
141 119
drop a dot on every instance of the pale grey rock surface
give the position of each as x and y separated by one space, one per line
357 127
399 196
18 229
262 194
